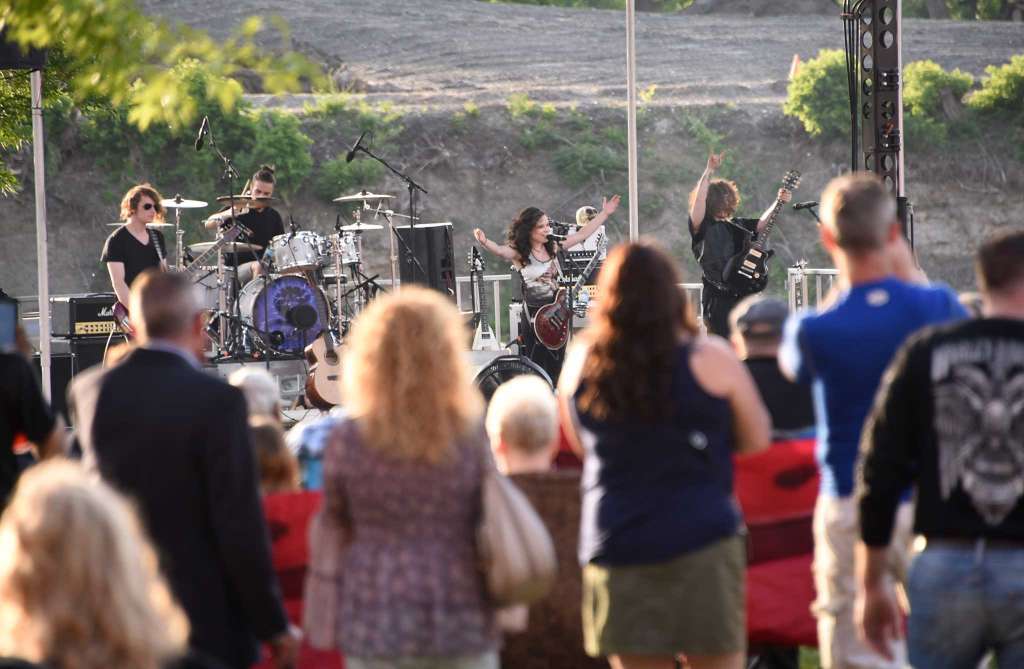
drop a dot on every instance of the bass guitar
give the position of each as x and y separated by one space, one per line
323 386
551 324
483 336
747 271
121 315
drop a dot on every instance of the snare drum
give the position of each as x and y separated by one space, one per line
206 287
288 311
296 253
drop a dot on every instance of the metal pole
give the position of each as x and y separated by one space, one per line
42 264
634 227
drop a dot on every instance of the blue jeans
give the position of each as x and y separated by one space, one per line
964 601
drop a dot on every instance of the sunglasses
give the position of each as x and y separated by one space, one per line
148 206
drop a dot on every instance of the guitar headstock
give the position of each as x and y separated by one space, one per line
791 181
474 260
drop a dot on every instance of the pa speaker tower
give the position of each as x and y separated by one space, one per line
432 245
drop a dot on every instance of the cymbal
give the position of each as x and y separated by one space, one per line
359 227
361 196
203 247
242 199
148 225
178 202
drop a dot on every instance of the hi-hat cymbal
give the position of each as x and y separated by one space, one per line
362 196
148 225
203 247
178 202
359 227
246 199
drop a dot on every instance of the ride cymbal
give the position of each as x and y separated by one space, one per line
231 247
362 196
359 227
243 199
178 202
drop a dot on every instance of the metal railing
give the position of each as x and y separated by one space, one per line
806 287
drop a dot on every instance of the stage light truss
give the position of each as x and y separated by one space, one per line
881 94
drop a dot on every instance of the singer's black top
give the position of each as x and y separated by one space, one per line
265 224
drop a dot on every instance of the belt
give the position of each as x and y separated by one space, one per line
984 543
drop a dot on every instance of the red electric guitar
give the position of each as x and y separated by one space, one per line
551 324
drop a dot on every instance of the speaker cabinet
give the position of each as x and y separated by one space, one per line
69 357
431 244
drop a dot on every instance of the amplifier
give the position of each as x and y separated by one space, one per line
82 315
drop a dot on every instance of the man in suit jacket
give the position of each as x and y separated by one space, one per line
176 440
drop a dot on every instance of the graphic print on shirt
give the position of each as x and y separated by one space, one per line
979 420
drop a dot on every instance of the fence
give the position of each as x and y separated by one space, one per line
807 288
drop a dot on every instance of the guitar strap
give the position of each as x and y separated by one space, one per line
156 243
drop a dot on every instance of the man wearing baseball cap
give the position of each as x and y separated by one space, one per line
756 331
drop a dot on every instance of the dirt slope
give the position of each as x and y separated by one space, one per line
441 53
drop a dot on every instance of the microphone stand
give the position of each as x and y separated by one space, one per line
412 186
813 210
229 175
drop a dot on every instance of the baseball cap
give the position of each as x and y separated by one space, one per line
758 316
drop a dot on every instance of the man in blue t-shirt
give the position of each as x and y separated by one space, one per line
843 351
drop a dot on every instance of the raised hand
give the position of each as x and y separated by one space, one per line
714 162
608 206
481 238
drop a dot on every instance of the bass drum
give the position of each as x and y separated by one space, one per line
288 312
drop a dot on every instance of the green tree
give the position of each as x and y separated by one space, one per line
109 51
818 95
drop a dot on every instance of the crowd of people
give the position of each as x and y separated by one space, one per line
174 533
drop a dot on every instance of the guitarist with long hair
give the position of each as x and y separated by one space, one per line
134 247
717 236
533 253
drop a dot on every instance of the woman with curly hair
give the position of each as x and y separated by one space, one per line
533 253
79 583
659 411
394 573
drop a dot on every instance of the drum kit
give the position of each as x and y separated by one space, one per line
307 284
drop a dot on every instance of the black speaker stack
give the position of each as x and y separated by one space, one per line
431 243
80 330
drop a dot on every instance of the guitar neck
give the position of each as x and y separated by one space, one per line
762 239
229 237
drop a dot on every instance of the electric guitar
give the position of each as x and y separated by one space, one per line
323 386
551 323
747 271
121 315
483 335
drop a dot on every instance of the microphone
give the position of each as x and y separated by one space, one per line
203 129
556 238
804 205
291 224
355 147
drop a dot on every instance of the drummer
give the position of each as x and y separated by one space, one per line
258 216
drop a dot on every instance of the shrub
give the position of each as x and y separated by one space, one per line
337 177
1002 89
923 83
819 96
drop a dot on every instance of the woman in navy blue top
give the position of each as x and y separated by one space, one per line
660 410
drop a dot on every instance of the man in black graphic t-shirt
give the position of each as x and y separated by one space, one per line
949 419
133 247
